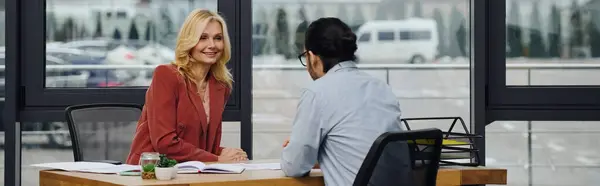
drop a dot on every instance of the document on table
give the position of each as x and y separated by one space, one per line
191 167
195 167
89 167
261 166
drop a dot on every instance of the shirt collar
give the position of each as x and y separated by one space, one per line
343 65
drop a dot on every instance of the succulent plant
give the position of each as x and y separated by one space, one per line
166 162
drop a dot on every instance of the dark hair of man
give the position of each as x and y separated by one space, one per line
332 40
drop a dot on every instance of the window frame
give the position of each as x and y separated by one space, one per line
41 99
540 103
12 130
478 79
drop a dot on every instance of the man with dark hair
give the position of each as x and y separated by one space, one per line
341 113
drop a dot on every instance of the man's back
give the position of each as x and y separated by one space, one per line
353 110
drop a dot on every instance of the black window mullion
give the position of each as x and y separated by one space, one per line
496 52
12 148
34 65
238 15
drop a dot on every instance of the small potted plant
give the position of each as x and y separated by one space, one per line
165 169
148 171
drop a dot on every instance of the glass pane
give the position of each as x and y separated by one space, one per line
534 151
552 42
87 43
43 142
231 135
501 135
417 33
566 151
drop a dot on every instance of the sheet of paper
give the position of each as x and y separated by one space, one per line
187 171
261 166
195 164
224 168
74 166
113 170
90 167
191 167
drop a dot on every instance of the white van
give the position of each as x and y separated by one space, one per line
413 40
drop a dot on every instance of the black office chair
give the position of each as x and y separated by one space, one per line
102 132
409 158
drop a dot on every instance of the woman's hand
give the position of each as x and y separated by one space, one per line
233 154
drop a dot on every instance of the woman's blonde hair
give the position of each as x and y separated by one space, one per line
188 38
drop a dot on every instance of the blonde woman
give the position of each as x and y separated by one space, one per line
184 104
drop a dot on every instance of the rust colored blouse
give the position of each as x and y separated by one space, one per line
173 121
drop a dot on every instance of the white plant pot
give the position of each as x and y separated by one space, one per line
165 173
174 172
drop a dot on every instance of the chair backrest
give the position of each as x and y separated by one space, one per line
102 131
402 158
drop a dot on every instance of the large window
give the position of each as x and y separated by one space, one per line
106 51
114 34
541 84
430 73
559 41
100 45
546 61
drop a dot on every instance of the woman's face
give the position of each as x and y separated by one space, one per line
210 46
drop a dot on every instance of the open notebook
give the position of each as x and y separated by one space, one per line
194 167
190 167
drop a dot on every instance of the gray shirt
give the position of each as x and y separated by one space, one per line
338 118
